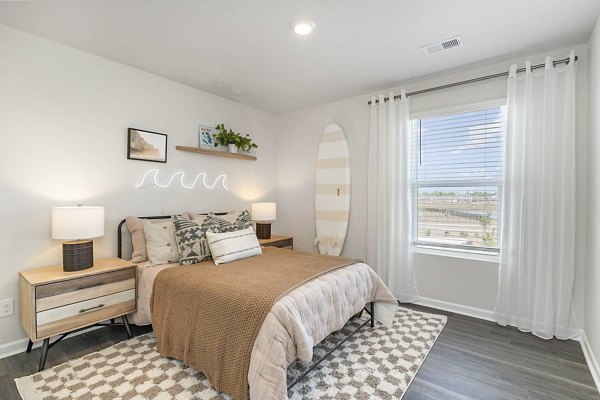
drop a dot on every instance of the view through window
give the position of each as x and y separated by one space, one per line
457 179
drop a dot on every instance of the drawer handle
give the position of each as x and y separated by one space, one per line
91 308
92 285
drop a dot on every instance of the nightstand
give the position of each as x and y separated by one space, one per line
54 302
284 242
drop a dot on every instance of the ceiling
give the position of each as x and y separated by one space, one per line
245 50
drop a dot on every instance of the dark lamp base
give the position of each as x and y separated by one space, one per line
78 255
263 231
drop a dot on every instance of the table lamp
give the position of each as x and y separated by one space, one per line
78 225
263 213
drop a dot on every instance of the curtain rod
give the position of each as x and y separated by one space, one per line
481 78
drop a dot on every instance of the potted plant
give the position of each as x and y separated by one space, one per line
235 141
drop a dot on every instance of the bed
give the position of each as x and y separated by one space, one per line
297 321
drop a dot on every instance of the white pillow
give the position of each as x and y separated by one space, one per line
230 246
160 243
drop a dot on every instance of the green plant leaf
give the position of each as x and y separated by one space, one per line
226 136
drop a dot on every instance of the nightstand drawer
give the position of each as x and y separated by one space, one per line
84 313
62 293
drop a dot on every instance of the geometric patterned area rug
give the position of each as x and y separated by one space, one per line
376 363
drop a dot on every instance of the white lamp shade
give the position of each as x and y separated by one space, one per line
264 211
72 223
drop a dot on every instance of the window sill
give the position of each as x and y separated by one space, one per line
465 254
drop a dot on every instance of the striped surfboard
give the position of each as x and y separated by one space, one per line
332 191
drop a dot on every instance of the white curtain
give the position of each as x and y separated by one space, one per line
389 224
538 218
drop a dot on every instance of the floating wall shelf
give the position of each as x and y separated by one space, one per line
215 153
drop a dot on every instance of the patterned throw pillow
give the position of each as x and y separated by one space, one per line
230 222
191 240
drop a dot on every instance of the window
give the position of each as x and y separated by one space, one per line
457 172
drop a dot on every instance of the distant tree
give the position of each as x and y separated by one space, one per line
485 222
439 193
489 239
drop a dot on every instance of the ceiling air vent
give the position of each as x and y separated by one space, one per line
443 46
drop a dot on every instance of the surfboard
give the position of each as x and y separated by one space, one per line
332 191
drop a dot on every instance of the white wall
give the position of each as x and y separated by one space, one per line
467 283
63 121
592 289
64 116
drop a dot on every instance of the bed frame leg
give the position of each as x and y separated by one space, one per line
371 320
372 314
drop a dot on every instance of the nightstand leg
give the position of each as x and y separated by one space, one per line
44 354
29 345
127 328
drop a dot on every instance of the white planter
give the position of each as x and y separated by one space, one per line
233 148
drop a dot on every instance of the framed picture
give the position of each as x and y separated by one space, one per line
206 139
146 145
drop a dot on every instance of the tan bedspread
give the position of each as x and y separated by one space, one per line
224 307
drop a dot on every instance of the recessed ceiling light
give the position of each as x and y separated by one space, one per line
303 27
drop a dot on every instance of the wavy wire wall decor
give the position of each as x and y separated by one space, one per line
152 176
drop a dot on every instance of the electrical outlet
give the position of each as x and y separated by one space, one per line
6 307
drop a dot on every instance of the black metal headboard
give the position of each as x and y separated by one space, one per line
120 229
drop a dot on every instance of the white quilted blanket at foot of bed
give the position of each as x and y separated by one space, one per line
305 316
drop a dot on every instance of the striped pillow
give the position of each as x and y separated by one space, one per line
230 246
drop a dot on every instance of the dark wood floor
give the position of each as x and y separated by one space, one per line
472 359
476 359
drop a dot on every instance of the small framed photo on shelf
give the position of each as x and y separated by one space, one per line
205 137
146 145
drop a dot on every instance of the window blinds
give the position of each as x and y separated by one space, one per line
457 170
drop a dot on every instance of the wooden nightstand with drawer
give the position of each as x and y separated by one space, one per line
284 242
54 302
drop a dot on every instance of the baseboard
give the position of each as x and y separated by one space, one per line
20 345
591 359
475 312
